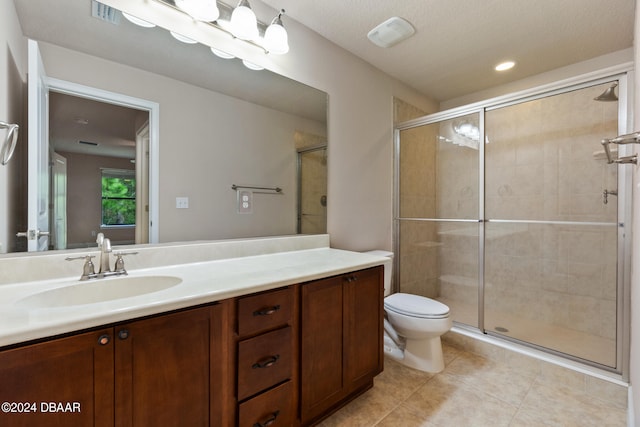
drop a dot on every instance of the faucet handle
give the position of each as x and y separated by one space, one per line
119 267
88 268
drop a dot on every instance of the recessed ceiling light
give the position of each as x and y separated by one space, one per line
504 66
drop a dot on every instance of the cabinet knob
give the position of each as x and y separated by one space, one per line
104 339
268 421
350 279
266 362
267 311
123 334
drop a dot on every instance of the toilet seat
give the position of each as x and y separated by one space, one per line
416 306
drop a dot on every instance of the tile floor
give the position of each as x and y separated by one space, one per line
476 391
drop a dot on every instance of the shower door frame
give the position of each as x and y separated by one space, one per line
624 74
299 153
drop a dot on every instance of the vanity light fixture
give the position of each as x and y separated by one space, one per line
276 39
240 23
504 66
183 39
252 66
139 22
244 24
200 10
221 54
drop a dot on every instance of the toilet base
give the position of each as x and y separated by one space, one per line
424 355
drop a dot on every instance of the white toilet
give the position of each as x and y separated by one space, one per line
413 326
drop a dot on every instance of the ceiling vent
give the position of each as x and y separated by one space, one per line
391 32
93 144
105 13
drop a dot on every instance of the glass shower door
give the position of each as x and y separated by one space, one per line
312 190
551 234
438 213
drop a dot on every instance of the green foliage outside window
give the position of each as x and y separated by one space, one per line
118 201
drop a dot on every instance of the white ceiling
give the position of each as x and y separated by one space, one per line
74 122
456 45
458 42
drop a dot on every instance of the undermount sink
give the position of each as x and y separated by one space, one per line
100 290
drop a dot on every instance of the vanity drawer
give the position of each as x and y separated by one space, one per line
264 311
273 408
264 361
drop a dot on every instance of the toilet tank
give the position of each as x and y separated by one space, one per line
388 267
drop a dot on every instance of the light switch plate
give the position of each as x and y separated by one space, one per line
182 202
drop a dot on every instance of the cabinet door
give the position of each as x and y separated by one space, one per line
363 332
321 346
63 382
163 370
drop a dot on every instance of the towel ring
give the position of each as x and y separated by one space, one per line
10 141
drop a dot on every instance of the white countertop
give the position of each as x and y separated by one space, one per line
202 282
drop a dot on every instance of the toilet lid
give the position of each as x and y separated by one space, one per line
416 306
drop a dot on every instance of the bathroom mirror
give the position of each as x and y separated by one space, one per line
273 118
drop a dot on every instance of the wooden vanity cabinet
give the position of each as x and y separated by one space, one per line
341 340
161 371
267 355
75 371
165 372
280 358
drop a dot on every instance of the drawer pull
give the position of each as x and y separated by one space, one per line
268 421
266 362
267 311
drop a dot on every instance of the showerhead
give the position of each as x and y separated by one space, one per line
608 95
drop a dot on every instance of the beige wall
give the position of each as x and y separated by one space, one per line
208 142
12 77
84 189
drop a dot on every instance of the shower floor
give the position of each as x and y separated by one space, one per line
575 343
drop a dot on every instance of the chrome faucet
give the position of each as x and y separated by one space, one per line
104 244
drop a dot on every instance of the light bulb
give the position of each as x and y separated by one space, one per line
201 10
276 39
244 24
